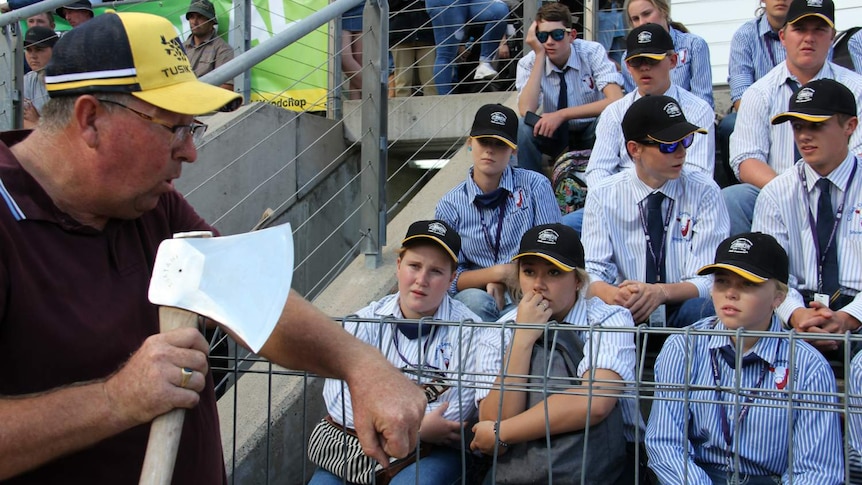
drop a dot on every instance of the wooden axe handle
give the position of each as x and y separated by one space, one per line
166 429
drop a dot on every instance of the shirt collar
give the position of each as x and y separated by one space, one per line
764 29
573 63
839 177
765 348
578 314
507 181
672 189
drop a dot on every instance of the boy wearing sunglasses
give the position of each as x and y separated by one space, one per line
570 79
651 58
647 231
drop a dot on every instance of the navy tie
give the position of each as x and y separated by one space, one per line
728 353
562 103
794 86
825 224
655 245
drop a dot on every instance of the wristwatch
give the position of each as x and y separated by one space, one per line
500 442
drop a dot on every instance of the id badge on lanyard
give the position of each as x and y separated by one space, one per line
658 318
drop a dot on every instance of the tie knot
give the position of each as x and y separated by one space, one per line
728 354
654 200
824 185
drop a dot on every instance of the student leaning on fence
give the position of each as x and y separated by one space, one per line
765 423
564 415
440 357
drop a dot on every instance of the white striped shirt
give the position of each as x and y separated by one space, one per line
451 349
854 45
693 71
755 137
613 233
782 211
854 420
531 203
609 154
589 71
754 51
614 351
762 442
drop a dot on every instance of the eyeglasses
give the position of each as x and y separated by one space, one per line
492 142
639 61
179 132
556 34
669 148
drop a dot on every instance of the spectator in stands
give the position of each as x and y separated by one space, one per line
44 19
411 41
693 70
451 19
760 151
515 423
754 50
703 428
854 419
76 13
351 50
439 357
206 50
854 45
491 210
15 4
647 231
38 47
612 29
813 210
86 199
570 79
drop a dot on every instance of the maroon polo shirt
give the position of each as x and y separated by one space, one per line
73 308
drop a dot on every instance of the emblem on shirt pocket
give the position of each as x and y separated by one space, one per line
685 224
855 228
779 375
589 82
682 56
520 198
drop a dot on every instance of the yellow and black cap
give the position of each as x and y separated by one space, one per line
559 244
657 118
800 9
141 55
436 231
818 101
496 121
648 40
755 256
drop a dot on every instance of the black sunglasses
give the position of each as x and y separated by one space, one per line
669 148
639 61
556 34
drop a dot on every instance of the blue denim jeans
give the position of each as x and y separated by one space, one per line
530 152
689 312
483 304
740 200
441 467
575 220
450 18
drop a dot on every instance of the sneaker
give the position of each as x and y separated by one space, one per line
484 71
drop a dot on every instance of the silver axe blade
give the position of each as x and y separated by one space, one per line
242 282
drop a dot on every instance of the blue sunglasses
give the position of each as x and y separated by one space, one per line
556 34
669 148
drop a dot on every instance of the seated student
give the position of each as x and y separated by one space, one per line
572 80
491 210
754 50
702 428
854 420
813 212
438 355
693 71
648 230
650 60
760 151
514 423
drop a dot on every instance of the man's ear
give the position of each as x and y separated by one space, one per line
634 149
85 114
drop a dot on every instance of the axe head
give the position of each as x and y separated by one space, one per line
240 281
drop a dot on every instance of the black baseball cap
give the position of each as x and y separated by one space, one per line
755 256
437 231
658 118
40 36
648 40
818 101
556 243
78 5
496 121
799 9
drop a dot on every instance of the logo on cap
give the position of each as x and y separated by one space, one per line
644 37
498 118
548 236
741 246
437 228
804 95
672 110
815 3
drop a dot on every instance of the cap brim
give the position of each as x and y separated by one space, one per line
778 119
188 98
498 137
709 269
825 18
432 238
556 262
676 133
652 55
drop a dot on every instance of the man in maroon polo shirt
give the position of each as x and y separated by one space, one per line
85 200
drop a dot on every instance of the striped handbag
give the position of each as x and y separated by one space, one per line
337 450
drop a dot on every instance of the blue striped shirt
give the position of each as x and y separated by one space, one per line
450 350
613 234
754 50
782 211
693 71
590 70
755 137
609 156
854 420
687 433
614 351
531 203
854 45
